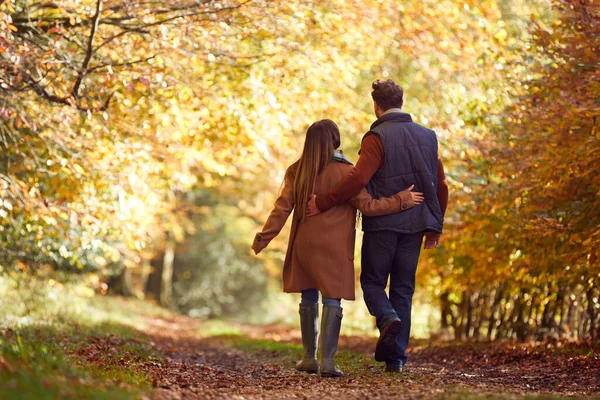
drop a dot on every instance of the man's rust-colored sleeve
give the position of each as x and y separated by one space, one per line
442 189
371 158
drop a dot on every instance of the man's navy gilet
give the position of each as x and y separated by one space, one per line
411 158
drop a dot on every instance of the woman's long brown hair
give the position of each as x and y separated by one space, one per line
322 138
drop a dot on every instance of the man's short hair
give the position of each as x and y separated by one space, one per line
387 94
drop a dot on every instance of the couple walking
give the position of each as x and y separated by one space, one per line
324 191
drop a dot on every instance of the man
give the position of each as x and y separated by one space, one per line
395 154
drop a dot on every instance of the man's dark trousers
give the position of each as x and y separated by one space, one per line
388 254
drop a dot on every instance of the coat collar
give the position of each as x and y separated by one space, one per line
393 116
339 156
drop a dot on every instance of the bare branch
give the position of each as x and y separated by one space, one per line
141 28
130 18
16 195
118 65
68 101
90 50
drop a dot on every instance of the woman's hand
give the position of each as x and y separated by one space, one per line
416 196
257 246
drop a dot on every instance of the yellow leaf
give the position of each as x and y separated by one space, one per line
49 220
501 35
78 168
13 28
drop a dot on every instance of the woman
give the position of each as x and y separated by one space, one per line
320 253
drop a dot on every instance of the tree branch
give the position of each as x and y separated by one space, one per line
89 52
141 28
68 101
118 65
168 12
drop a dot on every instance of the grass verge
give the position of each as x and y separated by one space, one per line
58 340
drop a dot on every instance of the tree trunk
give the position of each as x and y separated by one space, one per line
583 322
501 331
122 284
479 314
520 326
146 268
445 310
561 303
531 309
166 285
446 316
468 312
545 320
459 321
126 282
591 312
493 311
153 283
534 315
571 318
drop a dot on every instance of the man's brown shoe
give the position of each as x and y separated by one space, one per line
386 345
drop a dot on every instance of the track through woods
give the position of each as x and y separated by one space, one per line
258 364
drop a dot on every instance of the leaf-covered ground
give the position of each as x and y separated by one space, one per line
128 352
257 363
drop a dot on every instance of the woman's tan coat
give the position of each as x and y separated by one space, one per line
320 251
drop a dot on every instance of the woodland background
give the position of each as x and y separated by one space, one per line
143 143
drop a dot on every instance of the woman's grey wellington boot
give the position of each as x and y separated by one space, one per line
309 323
330 333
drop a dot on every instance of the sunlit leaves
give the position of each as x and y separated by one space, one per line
120 124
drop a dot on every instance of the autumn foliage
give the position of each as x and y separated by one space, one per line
524 253
134 133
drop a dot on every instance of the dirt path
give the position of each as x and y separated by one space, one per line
206 368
